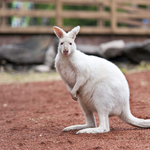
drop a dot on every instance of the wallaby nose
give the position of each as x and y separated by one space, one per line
65 51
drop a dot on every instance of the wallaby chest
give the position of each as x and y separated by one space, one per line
66 71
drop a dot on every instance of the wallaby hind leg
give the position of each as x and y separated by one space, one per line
90 122
103 126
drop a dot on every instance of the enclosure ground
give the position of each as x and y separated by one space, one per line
33 115
22 77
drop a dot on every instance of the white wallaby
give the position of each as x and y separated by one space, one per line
97 84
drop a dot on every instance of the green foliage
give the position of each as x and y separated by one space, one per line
107 8
107 23
9 5
142 6
81 22
122 25
44 6
74 7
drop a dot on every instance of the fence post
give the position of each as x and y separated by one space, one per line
100 9
113 16
58 12
3 20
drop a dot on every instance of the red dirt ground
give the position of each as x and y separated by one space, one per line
33 115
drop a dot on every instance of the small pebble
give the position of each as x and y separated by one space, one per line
4 105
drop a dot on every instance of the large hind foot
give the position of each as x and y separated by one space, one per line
103 126
93 130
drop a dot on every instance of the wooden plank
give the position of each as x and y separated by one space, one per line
85 14
113 16
130 22
26 30
30 13
52 13
86 2
133 9
59 12
140 2
137 16
133 31
101 10
84 30
3 19
45 30
94 30
67 1
36 1
126 8
90 30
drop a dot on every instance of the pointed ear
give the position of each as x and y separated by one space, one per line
59 32
74 32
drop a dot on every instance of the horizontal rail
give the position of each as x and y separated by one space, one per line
29 13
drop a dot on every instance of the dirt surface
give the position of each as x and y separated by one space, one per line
32 116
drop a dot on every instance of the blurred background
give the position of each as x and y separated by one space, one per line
117 30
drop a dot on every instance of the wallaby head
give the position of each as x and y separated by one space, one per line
66 40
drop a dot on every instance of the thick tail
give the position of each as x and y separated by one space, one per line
130 119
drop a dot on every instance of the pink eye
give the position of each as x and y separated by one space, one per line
61 43
70 43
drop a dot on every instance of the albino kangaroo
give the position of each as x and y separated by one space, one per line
97 84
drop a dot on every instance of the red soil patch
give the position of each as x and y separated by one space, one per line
33 115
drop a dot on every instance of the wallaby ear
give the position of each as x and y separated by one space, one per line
59 32
74 32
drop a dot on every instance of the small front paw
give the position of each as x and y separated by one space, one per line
74 96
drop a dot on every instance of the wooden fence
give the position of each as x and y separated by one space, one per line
111 16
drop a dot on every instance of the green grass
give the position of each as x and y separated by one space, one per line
131 68
27 77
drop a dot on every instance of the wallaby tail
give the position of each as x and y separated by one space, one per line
130 119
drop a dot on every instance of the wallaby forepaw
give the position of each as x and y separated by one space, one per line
74 97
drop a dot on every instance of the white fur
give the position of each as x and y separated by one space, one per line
97 84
